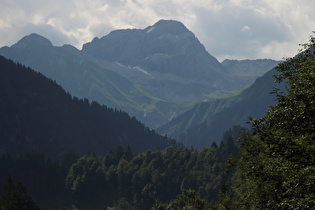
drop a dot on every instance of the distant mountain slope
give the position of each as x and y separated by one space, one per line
38 116
167 47
154 74
248 70
84 79
207 121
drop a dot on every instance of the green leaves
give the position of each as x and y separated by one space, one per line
277 160
15 196
188 200
140 180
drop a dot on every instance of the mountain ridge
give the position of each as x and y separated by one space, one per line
39 117
32 40
165 79
206 122
157 50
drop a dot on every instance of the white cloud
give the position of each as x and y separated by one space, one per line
4 25
218 24
245 28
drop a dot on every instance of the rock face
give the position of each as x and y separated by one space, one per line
166 59
154 74
167 48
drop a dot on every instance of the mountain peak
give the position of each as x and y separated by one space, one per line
169 22
32 40
171 26
167 47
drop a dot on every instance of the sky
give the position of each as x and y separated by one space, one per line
229 29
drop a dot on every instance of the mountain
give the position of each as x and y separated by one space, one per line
154 74
84 79
248 70
39 117
166 48
206 122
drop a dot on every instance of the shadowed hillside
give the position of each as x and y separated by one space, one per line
38 116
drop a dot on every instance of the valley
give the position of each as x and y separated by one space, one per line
148 119
154 74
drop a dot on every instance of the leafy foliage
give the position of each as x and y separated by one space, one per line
189 199
15 196
277 160
121 178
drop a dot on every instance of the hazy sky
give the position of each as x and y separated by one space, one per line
235 29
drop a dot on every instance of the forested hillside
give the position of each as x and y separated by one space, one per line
82 78
277 160
154 74
39 117
206 122
121 179
73 154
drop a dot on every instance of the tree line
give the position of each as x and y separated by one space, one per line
274 168
121 178
39 117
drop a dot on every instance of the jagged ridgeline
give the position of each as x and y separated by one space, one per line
154 74
38 116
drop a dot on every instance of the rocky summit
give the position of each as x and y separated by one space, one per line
154 74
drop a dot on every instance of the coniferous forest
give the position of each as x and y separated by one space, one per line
66 152
121 179
39 117
94 166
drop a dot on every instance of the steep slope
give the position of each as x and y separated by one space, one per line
154 74
84 79
166 48
38 116
248 70
207 121
166 59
